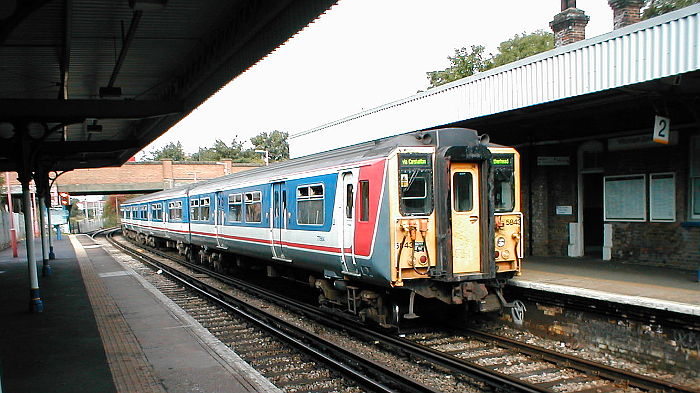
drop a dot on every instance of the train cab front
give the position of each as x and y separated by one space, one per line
458 226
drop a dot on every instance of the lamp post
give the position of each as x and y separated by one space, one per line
267 156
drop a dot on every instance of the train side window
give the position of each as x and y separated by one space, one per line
204 209
157 211
364 200
194 209
144 212
310 205
350 199
175 211
235 211
463 200
253 207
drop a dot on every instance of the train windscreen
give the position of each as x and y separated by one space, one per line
504 182
416 184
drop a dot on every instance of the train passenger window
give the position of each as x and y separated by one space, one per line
204 209
175 210
253 206
144 212
350 198
194 209
364 200
310 205
463 200
235 211
157 211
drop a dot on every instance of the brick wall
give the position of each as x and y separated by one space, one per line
625 12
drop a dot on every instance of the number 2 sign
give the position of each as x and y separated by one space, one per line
662 128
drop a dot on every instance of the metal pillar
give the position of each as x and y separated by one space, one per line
25 176
35 303
13 231
48 221
42 189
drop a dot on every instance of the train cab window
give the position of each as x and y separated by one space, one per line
194 209
235 211
310 205
463 200
253 206
364 200
175 210
350 199
204 209
504 182
416 184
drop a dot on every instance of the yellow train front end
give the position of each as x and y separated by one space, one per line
456 226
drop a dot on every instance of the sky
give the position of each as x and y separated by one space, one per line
358 55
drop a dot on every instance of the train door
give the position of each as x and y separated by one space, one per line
219 217
348 224
278 223
465 213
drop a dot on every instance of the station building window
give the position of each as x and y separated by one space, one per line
310 205
695 178
235 210
625 198
253 206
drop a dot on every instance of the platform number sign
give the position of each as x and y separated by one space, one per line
662 128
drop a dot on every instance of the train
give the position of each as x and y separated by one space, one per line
431 214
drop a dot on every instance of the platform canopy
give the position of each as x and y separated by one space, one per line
92 82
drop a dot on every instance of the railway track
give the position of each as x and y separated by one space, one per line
498 362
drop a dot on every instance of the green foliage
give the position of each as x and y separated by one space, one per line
221 150
467 62
654 8
173 151
275 143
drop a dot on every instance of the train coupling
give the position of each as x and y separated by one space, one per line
516 307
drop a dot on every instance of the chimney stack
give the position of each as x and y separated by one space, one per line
570 24
626 12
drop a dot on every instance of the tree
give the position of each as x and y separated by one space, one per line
654 8
275 143
110 216
173 151
467 62
221 150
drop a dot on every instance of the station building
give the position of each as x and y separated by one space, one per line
583 116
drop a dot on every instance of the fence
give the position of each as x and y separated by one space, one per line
5 228
86 225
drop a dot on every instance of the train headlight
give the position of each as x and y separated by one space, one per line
501 241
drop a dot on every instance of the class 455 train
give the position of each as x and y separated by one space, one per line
373 227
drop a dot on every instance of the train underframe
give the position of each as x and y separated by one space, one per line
386 307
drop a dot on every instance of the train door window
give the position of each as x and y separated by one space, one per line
364 200
310 205
235 211
194 209
253 206
350 199
415 184
462 190
204 209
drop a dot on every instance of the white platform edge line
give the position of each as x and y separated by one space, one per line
232 360
642 301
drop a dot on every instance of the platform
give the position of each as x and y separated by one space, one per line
105 329
637 285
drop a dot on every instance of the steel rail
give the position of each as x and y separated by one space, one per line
353 365
453 363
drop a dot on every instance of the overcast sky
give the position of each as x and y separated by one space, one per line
359 55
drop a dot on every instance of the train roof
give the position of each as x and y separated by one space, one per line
337 158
